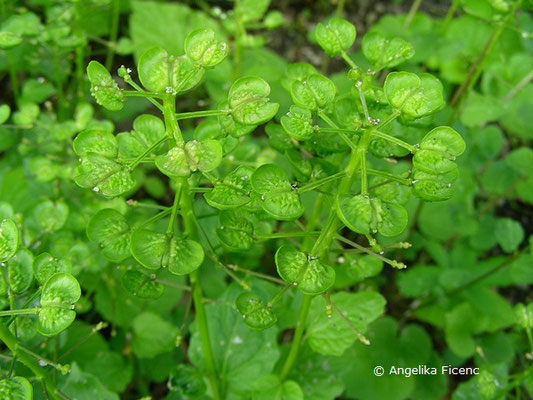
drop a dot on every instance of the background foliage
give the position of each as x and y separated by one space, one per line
463 300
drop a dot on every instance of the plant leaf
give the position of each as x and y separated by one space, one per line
104 88
336 36
58 296
307 272
254 311
9 239
110 231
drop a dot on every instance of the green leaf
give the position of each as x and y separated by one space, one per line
305 271
166 25
414 95
278 198
181 160
368 215
84 386
104 176
234 191
96 141
316 92
104 88
524 315
297 72
270 387
284 206
336 36
268 178
254 311
230 126
384 53
58 296
235 230
461 323
110 231
203 49
26 114
161 72
480 109
432 162
37 90
51 216
142 285
152 335
186 381
432 187
157 250
298 123
5 112
251 10
147 130
509 234
8 40
16 388
45 265
20 271
241 355
334 335
249 102
445 140
9 239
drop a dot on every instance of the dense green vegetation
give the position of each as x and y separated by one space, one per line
256 201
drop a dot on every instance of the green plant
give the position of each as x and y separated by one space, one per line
250 200
218 227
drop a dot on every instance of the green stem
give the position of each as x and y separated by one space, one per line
412 11
22 311
320 248
135 203
392 263
254 273
477 68
189 222
175 207
394 140
200 114
136 162
364 177
237 50
169 112
297 339
115 17
388 175
362 99
449 15
135 93
59 85
156 217
280 235
11 343
336 129
348 60
130 82
278 296
340 8
320 182
519 86
13 77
